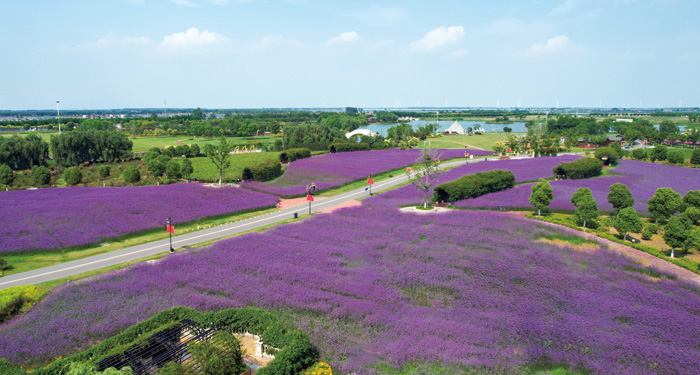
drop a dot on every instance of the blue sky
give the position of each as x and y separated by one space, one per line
312 53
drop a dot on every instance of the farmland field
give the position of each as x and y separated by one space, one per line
376 288
65 217
330 170
146 143
205 171
642 178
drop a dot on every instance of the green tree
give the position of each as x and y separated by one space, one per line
194 150
4 266
607 152
677 233
694 239
73 176
172 169
675 157
427 172
499 147
173 368
695 157
579 194
219 155
620 197
628 221
664 204
586 209
639 154
104 171
507 129
692 198
41 175
197 114
221 355
132 175
186 169
668 127
692 213
6 175
541 195
658 153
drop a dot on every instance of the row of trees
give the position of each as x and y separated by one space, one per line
680 232
76 147
21 153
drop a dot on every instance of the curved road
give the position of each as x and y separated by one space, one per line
133 253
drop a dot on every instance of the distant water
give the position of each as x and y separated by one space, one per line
518 126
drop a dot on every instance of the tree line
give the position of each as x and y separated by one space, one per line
76 147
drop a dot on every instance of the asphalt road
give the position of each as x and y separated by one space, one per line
142 251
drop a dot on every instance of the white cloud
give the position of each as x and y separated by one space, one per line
557 44
348 37
184 3
113 42
192 38
438 38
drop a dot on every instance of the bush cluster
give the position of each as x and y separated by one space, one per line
474 185
264 171
296 352
579 169
607 152
347 147
292 154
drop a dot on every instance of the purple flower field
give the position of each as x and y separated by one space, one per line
524 169
375 286
62 217
642 178
330 170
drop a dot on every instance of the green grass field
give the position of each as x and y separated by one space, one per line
146 143
205 171
484 141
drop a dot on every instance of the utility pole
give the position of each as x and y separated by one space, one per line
58 115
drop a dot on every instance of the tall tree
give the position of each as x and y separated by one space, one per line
586 206
427 172
677 232
692 198
219 155
541 195
6 175
620 197
664 204
186 169
628 221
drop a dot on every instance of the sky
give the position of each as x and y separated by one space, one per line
312 53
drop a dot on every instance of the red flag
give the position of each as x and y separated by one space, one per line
170 229
437 160
409 169
370 181
508 149
309 198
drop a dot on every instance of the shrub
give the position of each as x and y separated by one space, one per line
579 169
607 152
653 228
73 176
104 171
132 175
639 154
265 171
695 157
474 185
658 153
675 157
646 235
348 147
292 154
6 175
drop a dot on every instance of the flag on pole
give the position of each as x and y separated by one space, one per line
370 181
170 229
409 169
309 198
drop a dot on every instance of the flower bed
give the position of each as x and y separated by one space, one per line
64 217
377 287
335 169
524 169
642 178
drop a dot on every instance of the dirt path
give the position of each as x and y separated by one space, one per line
470 146
642 257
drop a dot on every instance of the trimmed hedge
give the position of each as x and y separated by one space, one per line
348 147
474 185
265 171
292 154
296 351
579 169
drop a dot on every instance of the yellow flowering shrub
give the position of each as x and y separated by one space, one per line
320 368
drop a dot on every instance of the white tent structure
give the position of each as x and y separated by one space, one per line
355 132
455 128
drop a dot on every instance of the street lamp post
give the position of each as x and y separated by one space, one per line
58 114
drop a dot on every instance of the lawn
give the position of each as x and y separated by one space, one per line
484 141
205 170
146 143
377 290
